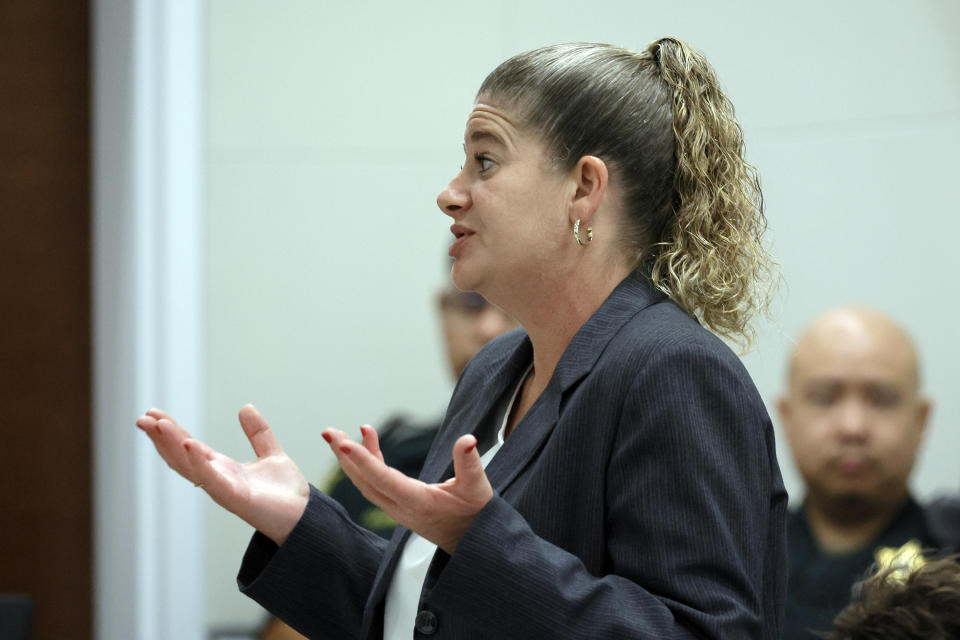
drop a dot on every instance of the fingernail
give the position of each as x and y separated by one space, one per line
363 430
470 448
326 436
186 446
344 448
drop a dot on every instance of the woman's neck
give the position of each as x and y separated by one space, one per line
554 313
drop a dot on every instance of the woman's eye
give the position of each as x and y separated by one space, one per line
485 163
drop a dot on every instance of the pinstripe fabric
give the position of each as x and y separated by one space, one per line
639 497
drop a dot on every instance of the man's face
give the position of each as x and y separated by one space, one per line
469 322
852 414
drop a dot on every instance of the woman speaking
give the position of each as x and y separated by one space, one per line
606 471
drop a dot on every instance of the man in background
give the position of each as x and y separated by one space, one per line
854 416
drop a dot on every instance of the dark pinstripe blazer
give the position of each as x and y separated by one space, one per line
639 497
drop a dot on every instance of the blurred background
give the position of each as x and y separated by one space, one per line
208 203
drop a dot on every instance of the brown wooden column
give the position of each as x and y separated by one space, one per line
45 447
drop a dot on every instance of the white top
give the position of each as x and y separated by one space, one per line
403 597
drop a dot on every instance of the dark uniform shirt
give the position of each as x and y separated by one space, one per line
819 583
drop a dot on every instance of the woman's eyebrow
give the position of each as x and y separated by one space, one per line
484 134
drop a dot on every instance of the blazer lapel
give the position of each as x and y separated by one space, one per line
525 441
631 296
474 413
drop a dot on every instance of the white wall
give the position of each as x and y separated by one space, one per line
331 127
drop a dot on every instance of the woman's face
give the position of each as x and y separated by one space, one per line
508 206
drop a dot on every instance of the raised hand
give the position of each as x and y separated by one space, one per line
441 513
270 493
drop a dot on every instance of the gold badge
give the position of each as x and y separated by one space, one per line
901 562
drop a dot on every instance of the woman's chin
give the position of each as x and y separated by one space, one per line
463 278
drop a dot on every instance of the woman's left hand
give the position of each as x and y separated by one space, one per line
440 513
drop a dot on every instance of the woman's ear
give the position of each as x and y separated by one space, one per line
591 179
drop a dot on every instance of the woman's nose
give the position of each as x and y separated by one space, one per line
453 199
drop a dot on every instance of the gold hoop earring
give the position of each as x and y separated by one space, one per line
576 233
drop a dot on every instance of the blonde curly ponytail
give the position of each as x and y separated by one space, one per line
711 261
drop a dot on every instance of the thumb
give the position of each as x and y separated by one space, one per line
467 466
258 432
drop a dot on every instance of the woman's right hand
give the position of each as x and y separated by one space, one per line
270 494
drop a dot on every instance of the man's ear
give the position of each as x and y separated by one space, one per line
923 414
783 408
591 180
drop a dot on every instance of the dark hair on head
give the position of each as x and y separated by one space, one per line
887 606
658 118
